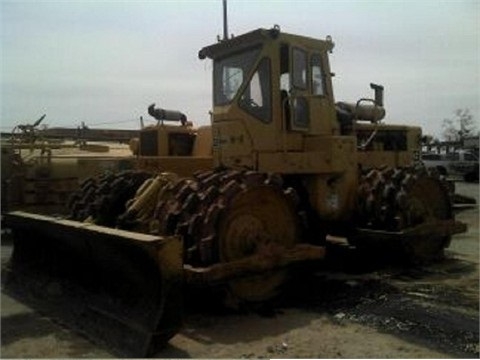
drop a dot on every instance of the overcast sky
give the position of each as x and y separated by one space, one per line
104 62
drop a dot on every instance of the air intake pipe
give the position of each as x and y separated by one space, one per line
378 89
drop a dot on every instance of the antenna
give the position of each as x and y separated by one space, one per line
225 23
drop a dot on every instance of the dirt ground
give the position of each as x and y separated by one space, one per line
365 309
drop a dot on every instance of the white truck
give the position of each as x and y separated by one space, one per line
461 163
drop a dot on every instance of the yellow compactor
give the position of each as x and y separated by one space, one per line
237 203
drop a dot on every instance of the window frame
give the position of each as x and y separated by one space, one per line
267 100
219 98
294 84
322 74
295 125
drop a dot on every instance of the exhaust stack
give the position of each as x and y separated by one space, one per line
225 22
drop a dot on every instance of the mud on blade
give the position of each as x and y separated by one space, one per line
119 288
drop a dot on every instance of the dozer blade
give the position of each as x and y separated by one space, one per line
119 288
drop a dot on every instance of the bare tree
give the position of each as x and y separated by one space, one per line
461 126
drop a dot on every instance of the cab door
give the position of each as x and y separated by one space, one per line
300 90
312 106
323 120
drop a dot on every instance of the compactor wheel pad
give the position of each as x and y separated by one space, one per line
394 199
227 215
103 198
258 221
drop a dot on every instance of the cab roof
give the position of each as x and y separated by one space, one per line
258 37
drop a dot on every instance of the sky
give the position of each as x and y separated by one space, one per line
105 62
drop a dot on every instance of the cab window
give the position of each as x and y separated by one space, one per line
256 97
229 73
300 114
470 157
452 156
318 80
299 69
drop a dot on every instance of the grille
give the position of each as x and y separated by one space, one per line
148 143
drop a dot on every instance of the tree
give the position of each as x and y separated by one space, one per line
461 126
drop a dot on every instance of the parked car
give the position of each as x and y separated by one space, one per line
460 163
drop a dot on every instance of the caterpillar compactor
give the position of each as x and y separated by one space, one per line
282 167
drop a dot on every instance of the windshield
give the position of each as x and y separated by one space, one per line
229 73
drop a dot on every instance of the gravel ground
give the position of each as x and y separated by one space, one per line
374 309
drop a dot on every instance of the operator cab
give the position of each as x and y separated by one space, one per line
273 94
270 89
268 75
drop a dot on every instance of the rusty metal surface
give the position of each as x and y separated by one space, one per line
255 264
57 227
